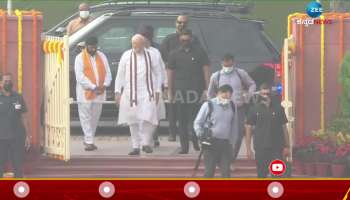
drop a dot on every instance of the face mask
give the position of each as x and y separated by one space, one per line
8 87
224 101
265 99
84 14
227 70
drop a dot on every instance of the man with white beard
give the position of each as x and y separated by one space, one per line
137 92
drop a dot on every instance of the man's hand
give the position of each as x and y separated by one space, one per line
117 99
249 153
27 143
165 94
286 152
100 90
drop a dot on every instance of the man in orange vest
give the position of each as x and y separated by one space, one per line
93 75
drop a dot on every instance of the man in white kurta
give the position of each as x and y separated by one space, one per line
137 90
90 89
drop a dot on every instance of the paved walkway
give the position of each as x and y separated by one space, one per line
121 145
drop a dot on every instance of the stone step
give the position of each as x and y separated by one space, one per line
135 169
131 175
134 161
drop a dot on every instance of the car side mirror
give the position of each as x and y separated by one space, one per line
61 30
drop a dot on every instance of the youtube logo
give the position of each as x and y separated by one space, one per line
277 167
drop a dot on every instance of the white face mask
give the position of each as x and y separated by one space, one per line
227 70
84 14
223 101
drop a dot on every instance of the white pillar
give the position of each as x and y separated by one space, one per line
9 7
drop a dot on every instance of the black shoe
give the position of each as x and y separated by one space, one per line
147 149
172 138
90 147
183 152
95 147
134 152
156 144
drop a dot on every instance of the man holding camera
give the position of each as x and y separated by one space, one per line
268 121
217 127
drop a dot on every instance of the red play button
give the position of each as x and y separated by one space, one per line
277 167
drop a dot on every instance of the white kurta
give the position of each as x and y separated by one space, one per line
164 79
84 83
90 110
146 109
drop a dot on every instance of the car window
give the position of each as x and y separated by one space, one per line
240 38
161 32
114 35
116 39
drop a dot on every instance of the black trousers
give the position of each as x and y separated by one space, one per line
242 112
263 158
219 153
12 150
171 115
186 113
156 133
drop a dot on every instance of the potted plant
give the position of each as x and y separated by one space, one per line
299 159
322 157
308 155
339 163
341 153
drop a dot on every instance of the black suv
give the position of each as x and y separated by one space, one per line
216 25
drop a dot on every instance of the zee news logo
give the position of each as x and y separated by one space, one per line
311 21
314 10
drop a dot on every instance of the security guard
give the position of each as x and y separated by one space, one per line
170 43
268 121
188 78
13 140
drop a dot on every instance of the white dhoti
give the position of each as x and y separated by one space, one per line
141 134
141 118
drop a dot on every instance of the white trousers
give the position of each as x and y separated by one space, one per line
141 134
89 115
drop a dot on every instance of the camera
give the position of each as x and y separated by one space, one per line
206 138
